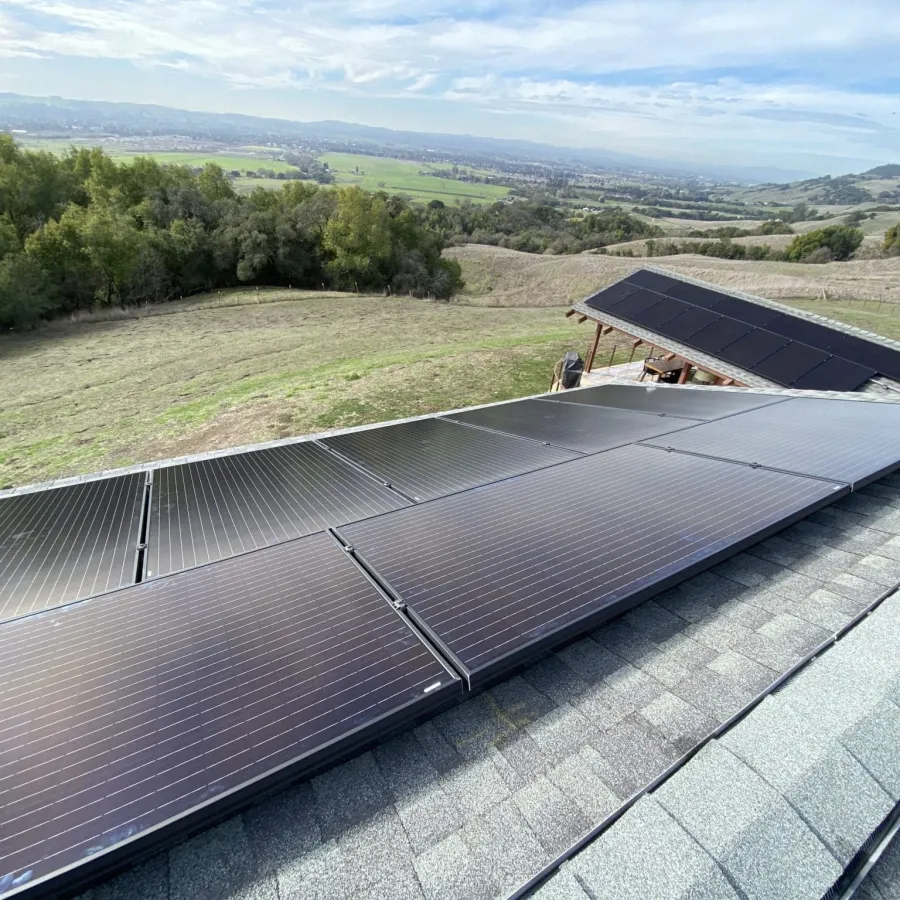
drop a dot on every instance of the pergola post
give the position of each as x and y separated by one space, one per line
593 351
634 346
685 372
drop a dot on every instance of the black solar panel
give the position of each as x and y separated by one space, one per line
68 543
843 440
612 295
744 311
694 294
810 333
660 313
794 361
713 403
497 573
135 710
652 280
835 374
753 348
208 510
587 429
685 326
433 457
634 304
718 335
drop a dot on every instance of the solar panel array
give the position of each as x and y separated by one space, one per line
788 350
273 646
493 574
72 542
208 510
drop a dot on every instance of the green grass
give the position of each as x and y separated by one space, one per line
241 367
226 161
398 176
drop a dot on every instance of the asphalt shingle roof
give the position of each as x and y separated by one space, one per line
476 801
780 804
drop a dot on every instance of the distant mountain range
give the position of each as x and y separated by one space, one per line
85 118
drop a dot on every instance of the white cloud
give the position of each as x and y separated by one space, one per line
628 71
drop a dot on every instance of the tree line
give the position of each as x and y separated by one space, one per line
81 231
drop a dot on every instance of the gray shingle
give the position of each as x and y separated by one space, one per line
505 846
561 886
348 794
553 818
684 725
746 569
632 754
875 742
283 827
556 679
473 726
884 876
748 828
834 795
317 875
655 621
519 702
720 696
147 881
374 849
882 570
218 864
580 778
450 871
436 748
647 854
475 786
428 816
404 767
589 661
560 730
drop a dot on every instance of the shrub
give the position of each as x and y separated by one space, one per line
840 241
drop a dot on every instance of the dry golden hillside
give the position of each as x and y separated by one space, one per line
498 277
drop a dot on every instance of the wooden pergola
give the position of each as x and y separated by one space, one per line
603 329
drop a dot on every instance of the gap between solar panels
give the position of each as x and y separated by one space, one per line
141 716
498 575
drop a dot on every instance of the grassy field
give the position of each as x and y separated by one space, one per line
498 277
228 162
243 366
398 176
229 370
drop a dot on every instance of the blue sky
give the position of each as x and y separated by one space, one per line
791 83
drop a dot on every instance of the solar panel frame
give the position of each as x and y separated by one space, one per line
660 314
434 457
64 544
835 374
702 297
744 311
689 323
718 335
807 436
791 363
228 505
608 297
703 405
646 279
799 329
750 350
634 304
203 640
438 558
584 429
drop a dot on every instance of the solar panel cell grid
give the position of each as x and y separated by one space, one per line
744 311
220 507
656 282
612 295
635 303
68 543
835 374
129 710
794 361
841 440
753 348
711 403
685 326
810 333
694 294
718 335
661 313
497 572
586 429
433 457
